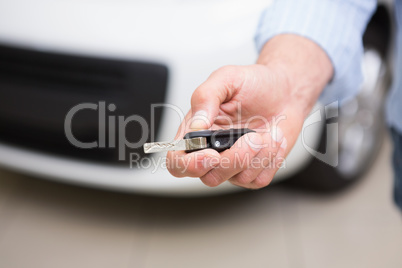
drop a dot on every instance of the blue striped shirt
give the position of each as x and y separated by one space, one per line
337 26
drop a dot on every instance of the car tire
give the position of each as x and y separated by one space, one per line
360 123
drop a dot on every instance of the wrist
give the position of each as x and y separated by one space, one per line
302 65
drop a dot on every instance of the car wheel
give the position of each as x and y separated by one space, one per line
361 131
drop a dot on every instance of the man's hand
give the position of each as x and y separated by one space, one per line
272 97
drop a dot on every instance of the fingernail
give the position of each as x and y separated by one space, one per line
276 134
284 143
254 140
200 120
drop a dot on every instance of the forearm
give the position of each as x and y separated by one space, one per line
304 66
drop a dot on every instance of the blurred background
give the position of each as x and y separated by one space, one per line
64 206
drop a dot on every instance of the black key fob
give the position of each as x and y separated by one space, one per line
219 140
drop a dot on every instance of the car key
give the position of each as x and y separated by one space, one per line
219 140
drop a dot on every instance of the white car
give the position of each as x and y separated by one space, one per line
123 57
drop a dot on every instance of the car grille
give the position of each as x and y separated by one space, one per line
38 89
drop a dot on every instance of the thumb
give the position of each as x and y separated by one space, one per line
208 97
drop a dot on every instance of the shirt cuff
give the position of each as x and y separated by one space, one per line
337 26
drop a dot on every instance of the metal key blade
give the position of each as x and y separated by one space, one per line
179 145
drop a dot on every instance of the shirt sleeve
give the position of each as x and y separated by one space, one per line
337 26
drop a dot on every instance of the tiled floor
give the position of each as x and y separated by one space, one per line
45 224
